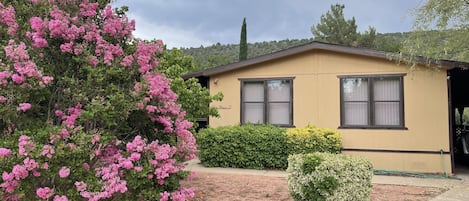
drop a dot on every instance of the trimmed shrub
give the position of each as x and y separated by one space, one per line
312 139
262 146
247 146
329 177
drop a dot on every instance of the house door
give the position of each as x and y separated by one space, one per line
458 85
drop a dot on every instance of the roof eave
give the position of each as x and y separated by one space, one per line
316 46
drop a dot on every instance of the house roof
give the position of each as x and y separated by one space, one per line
316 46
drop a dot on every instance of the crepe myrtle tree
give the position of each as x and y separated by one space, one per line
85 113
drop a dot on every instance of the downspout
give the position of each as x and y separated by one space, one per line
450 119
443 164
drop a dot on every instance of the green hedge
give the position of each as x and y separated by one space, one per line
329 177
262 146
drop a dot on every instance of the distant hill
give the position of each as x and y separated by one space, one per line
221 54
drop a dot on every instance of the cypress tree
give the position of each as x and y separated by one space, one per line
243 45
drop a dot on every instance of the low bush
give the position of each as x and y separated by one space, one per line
262 146
248 146
329 177
312 139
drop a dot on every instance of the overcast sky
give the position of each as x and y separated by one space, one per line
192 23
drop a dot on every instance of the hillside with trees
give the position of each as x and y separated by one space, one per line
221 54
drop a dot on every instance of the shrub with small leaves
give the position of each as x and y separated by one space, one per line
329 177
312 139
247 146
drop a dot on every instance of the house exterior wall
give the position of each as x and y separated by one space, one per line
316 101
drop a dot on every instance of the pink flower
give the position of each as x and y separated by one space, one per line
4 75
67 47
64 172
38 40
7 177
81 186
88 9
4 152
77 50
127 61
44 193
164 196
94 61
7 17
137 87
18 79
86 166
138 169
24 145
16 52
140 105
24 107
30 164
127 164
137 145
3 99
182 194
20 172
48 151
47 79
59 113
151 108
96 138
70 120
57 27
9 186
64 133
36 173
135 156
36 24
45 166
60 198
145 56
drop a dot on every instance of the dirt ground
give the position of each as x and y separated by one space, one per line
235 187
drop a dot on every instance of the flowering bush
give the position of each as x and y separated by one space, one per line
84 112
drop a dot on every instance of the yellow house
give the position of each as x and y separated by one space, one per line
400 119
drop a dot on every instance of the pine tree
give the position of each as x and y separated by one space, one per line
243 45
334 28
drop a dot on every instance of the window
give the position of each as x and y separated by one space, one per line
372 101
267 101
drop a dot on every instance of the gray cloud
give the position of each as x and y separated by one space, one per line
184 23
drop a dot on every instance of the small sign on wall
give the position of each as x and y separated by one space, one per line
223 107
